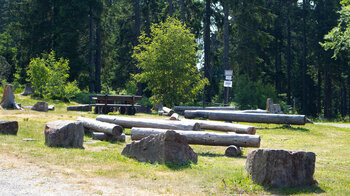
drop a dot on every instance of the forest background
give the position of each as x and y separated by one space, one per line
273 46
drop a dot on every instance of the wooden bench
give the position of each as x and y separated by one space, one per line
109 103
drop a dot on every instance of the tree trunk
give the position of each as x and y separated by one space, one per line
289 63
226 44
106 137
98 58
181 109
168 111
171 9
203 137
174 116
92 51
137 35
108 128
150 123
182 4
319 94
8 98
205 113
255 118
327 95
304 68
27 90
207 43
224 126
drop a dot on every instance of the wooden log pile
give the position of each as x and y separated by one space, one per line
203 137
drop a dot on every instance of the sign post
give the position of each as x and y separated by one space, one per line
228 83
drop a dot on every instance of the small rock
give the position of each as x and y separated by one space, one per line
167 147
41 106
233 151
281 168
9 127
64 133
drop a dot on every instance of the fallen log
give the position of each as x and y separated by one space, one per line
150 123
255 118
107 128
174 116
168 111
205 113
181 109
224 126
106 137
8 98
81 108
203 137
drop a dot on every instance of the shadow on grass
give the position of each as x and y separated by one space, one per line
209 154
288 127
297 190
179 166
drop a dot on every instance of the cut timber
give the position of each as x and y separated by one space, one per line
82 108
168 111
106 137
181 109
8 98
150 123
205 113
224 126
174 116
108 128
27 90
203 137
258 118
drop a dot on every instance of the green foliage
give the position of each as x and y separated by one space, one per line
5 69
252 94
49 76
338 39
168 61
83 98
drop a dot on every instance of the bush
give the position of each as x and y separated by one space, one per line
49 76
252 94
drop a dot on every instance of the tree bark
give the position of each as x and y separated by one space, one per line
224 126
92 51
150 123
137 35
182 4
174 116
255 118
8 98
203 137
304 68
98 58
207 43
108 128
205 113
226 44
289 62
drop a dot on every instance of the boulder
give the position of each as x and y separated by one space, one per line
64 133
41 106
9 127
167 147
233 151
81 108
281 168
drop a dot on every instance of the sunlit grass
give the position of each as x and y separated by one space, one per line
213 174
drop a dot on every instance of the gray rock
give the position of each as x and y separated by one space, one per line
9 127
41 106
162 148
82 108
64 133
281 168
233 151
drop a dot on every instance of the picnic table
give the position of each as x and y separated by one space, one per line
111 103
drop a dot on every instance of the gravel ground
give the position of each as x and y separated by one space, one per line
19 177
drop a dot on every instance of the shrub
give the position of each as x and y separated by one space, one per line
49 76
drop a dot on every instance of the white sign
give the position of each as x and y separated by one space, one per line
228 77
228 72
227 83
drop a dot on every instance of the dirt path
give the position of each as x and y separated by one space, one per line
335 125
20 177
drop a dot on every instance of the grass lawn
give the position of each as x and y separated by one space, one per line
213 174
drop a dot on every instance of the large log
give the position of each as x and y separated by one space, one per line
181 109
106 137
256 118
203 137
98 126
150 123
8 98
205 113
225 126
174 116
168 111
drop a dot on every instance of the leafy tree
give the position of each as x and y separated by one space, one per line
168 60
